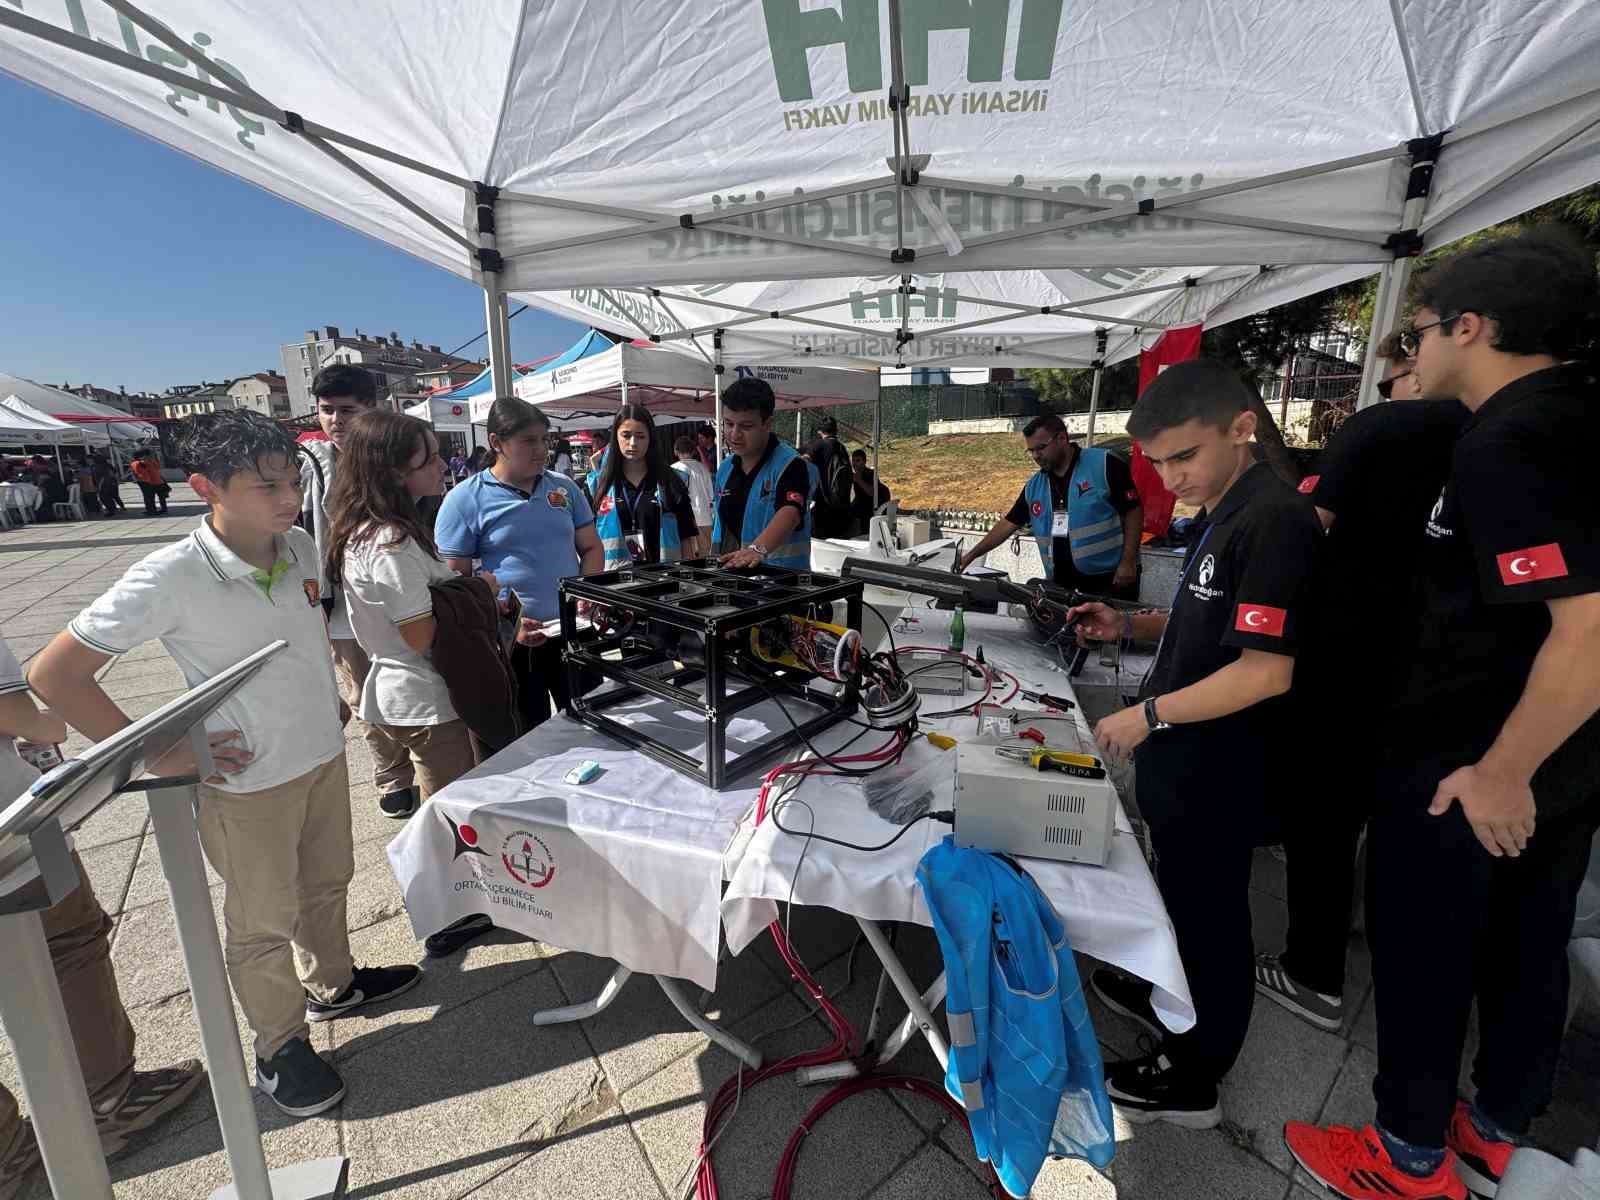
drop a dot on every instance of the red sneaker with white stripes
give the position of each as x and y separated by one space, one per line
1358 1167
1480 1161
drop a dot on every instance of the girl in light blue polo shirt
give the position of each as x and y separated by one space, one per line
530 527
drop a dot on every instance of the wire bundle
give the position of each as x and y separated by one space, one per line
846 1043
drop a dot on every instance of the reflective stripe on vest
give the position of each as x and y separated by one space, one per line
608 527
762 505
1094 526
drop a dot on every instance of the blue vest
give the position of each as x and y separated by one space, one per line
1024 1061
608 526
1094 526
762 506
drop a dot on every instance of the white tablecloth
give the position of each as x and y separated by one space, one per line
629 866
1113 913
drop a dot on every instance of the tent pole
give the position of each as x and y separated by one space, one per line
490 265
1406 244
877 436
1101 336
797 429
61 471
716 384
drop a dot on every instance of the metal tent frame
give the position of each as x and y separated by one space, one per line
1390 250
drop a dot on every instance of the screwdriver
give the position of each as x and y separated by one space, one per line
1046 698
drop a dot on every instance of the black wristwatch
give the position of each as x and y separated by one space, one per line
1155 722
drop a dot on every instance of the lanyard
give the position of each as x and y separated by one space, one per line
631 507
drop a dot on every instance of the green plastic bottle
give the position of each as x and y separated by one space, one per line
958 630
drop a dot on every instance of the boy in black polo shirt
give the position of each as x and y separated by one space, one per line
1203 741
1489 782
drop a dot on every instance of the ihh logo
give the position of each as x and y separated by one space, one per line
857 26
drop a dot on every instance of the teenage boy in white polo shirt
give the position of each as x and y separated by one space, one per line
275 823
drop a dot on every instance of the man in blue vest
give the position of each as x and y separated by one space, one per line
1082 510
763 486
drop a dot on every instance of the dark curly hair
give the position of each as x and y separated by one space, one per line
219 445
1540 290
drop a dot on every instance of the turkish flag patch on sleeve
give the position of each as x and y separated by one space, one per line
1536 562
796 497
1260 618
1309 484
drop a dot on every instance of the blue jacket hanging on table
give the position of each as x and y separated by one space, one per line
609 525
1094 526
762 506
1024 1061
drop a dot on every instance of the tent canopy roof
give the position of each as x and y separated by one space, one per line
20 422
64 406
720 148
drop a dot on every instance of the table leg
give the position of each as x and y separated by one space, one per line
743 1051
588 1008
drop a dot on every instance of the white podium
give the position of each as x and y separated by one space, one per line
33 828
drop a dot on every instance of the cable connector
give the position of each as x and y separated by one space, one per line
948 816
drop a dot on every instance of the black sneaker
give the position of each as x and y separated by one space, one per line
1273 982
368 985
1152 1089
456 935
299 1080
1128 996
398 805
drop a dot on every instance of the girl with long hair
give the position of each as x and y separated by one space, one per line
380 552
642 509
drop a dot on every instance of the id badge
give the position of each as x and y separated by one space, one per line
1058 523
636 547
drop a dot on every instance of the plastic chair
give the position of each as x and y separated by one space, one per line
73 505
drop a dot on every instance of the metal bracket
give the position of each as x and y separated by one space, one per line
903 255
1405 244
490 262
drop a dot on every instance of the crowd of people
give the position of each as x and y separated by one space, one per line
98 480
1449 532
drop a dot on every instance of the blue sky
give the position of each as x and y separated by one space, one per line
126 263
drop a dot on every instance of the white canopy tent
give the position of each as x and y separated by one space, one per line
100 424
23 425
1066 177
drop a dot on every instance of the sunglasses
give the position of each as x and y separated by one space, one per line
1411 339
1387 385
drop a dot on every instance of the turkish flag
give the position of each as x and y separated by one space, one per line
1536 562
1173 346
1309 484
1260 618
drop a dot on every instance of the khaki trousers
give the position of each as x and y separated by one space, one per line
391 764
78 933
287 858
440 753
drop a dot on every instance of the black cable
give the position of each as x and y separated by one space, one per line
947 816
838 768
873 608
468 342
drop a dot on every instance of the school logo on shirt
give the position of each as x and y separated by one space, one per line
1434 528
766 488
1260 618
313 591
1208 568
1536 562
1084 487
1309 484
557 497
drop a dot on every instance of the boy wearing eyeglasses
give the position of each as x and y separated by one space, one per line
1487 797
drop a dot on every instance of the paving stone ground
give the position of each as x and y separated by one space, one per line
455 1094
